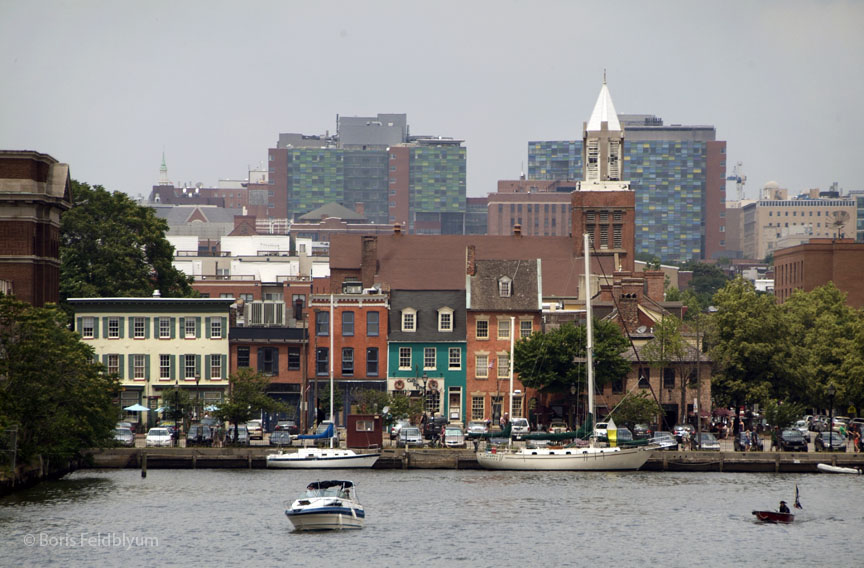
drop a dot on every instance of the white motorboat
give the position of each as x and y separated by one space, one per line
569 458
321 458
827 468
327 505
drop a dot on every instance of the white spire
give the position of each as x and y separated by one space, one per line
604 111
163 172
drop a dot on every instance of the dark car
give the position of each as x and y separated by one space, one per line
242 436
281 438
433 427
829 442
792 440
199 435
642 431
744 440
288 425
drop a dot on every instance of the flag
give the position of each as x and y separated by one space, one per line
797 502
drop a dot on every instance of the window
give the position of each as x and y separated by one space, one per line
526 328
517 406
215 328
164 367
190 368
503 329
293 358
242 356
322 323
445 319
268 361
364 426
347 324
372 361
347 361
113 328
433 402
189 328
429 358
404 357
478 408
503 366
505 287
454 358
483 364
113 364
482 329
247 298
139 372
322 361
215 367
372 324
87 327
138 328
409 319
165 328
644 377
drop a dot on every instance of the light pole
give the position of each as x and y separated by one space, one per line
831 392
177 414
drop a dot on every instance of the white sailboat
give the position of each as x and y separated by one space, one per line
322 458
589 458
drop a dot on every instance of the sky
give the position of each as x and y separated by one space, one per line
108 86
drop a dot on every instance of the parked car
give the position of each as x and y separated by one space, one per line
557 426
665 441
289 425
256 431
791 440
678 431
829 442
158 437
454 437
242 436
623 435
804 427
706 441
128 425
641 431
281 438
433 426
397 426
199 435
744 439
600 432
519 427
409 436
124 437
476 427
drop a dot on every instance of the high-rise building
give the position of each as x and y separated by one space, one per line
372 165
678 174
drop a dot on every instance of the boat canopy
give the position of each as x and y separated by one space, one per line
324 432
330 483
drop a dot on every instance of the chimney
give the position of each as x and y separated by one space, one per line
470 260
654 281
517 230
369 261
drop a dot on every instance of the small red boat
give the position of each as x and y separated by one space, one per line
774 517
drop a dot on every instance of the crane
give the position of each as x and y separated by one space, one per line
739 178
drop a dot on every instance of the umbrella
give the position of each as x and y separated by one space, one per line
161 408
211 408
723 412
136 408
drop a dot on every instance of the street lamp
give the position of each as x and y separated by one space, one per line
831 392
177 414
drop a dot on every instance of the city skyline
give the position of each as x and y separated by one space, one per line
108 87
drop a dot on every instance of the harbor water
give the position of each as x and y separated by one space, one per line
434 518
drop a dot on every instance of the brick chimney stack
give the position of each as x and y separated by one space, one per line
471 260
369 261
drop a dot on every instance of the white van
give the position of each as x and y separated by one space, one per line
519 426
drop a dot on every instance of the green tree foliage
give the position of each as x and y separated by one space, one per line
371 401
324 399
749 341
112 247
544 361
782 414
180 405
247 398
402 406
637 408
707 280
51 387
670 348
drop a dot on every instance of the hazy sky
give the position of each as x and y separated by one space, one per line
107 86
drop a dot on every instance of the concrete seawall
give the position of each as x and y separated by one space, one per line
391 458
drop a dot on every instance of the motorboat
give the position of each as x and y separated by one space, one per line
569 458
327 505
321 458
827 468
774 517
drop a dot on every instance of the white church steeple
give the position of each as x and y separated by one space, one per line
602 141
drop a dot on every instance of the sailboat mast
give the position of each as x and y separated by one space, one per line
332 333
589 326
512 334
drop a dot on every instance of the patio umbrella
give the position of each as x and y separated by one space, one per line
136 408
161 408
211 408
722 412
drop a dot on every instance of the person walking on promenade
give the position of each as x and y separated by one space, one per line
775 438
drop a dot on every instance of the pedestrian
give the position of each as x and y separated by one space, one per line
856 440
775 438
685 439
755 443
747 440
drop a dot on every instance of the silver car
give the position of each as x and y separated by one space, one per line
409 436
453 437
664 441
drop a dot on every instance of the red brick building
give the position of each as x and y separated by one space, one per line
810 265
34 191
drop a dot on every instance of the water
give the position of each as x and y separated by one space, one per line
434 518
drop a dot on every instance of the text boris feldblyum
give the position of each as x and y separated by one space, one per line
94 540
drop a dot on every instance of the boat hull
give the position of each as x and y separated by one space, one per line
327 518
773 517
321 459
567 459
826 468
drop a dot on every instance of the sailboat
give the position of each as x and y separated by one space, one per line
322 458
589 458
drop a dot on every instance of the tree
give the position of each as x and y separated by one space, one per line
403 406
112 247
51 387
544 361
637 408
707 280
783 415
247 398
668 348
372 401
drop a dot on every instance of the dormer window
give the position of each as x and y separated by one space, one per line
409 319
445 319
505 287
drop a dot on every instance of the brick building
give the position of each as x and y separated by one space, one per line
813 264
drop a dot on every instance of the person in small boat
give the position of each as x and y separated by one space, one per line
783 507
